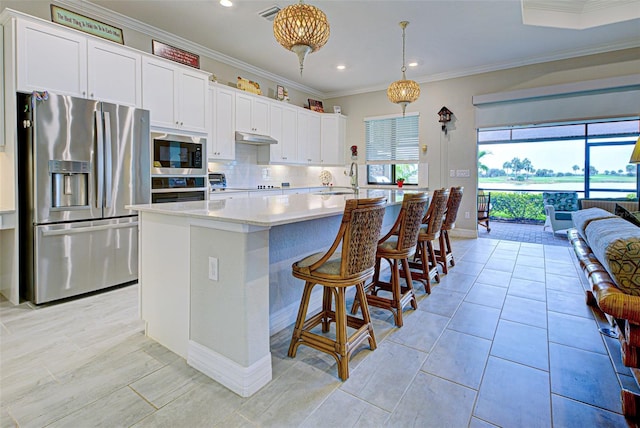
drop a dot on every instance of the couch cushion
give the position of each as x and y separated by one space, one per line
561 201
582 218
616 244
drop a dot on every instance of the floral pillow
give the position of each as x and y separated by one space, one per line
561 201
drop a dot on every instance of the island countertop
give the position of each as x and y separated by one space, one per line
269 210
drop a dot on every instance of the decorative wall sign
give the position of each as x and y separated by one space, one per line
85 24
174 54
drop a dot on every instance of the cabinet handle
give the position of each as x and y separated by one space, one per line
181 123
92 95
84 93
177 123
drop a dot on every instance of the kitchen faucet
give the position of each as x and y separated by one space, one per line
353 173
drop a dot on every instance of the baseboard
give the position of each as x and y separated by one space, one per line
463 233
244 381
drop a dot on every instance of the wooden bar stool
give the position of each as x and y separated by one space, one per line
335 271
396 247
425 264
444 254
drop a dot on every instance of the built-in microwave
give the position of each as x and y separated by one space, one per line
178 154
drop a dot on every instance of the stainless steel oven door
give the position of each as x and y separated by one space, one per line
173 154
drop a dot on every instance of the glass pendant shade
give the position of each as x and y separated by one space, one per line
301 28
635 155
403 91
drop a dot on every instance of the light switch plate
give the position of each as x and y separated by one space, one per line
213 268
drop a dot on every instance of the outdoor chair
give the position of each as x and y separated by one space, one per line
484 207
558 207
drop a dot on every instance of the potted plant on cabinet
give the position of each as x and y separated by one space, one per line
400 182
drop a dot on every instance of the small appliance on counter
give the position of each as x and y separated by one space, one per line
217 181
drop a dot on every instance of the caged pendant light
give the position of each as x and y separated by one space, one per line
301 28
403 91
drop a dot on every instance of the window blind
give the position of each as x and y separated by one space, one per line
391 140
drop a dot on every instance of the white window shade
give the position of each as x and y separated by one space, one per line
392 140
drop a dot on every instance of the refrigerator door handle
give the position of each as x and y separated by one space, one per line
99 159
88 229
108 159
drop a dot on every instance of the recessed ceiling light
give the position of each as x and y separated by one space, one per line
413 64
341 67
226 3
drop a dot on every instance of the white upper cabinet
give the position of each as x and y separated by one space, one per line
67 63
333 138
178 98
252 114
283 120
222 144
308 137
50 59
115 74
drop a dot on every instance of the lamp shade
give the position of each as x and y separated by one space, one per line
635 155
301 28
403 92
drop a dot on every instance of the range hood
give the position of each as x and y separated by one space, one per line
257 139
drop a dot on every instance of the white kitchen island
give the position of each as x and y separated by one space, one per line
215 276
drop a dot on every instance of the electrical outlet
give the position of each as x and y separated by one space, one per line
452 173
466 214
213 268
462 173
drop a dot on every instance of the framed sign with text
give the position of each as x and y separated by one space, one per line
174 54
85 24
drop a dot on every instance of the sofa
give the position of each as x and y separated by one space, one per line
608 249
558 207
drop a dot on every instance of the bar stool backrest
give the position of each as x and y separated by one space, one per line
435 214
453 204
407 225
362 223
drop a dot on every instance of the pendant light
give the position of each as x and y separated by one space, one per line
301 28
403 91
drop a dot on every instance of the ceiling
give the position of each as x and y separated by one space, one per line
448 38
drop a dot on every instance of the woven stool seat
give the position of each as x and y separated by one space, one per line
425 264
444 253
335 271
396 247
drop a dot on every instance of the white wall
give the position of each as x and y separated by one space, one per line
458 150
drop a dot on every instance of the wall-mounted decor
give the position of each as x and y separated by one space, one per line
316 105
174 54
337 109
85 24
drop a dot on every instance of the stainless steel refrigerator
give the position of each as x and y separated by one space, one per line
80 162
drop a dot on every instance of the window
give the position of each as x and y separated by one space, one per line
392 147
591 158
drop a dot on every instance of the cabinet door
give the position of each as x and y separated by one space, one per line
289 145
193 101
223 144
114 74
50 59
260 115
314 139
333 139
159 94
243 113
275 116
302 135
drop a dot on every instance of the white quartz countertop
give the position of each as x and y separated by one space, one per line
268 210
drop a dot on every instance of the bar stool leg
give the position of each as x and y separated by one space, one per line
302 313
433 262
396 293
409 279
341 333
366 316
326 309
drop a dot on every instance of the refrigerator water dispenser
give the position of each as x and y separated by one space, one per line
69 183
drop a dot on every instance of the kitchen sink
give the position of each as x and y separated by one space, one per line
336 192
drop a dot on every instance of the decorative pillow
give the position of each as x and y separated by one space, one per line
625 214
561 201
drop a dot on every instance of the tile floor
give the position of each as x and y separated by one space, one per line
504 340
522 232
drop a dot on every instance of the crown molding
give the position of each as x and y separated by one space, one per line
626 44
99 12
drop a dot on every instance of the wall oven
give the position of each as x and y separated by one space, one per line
178 154
178 189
